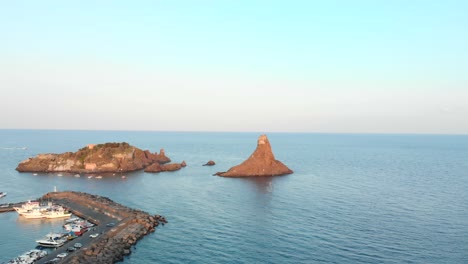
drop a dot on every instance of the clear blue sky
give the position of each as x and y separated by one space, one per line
298 66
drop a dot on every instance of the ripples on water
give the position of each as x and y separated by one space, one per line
352 198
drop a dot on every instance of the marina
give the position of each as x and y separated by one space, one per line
114 228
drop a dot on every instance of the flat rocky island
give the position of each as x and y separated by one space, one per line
115 240
95 158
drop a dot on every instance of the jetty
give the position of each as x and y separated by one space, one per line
118 227
8 207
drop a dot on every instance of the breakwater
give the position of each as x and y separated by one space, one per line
119 227
128 226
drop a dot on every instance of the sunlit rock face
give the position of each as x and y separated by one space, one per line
108 157
262 162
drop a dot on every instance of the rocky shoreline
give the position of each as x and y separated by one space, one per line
111 246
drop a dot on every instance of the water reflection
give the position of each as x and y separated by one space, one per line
41 223
263 184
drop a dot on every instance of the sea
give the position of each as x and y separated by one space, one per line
353 198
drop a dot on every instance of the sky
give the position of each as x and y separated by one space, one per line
254 66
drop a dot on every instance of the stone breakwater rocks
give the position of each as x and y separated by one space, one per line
165 167
113 245
101 158
262 162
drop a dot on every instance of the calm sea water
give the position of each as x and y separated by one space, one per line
352 198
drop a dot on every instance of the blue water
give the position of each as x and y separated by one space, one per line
352 198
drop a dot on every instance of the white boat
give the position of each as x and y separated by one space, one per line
72 220
3 194
57 213
28 206
33 214
45 212
52 240
47 242
99 177
77 175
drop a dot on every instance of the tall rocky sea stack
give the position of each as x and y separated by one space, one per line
262 162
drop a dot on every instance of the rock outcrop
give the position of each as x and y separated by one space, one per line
100 158
262 162
209 163
156 167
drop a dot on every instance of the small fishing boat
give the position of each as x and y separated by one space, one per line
3 194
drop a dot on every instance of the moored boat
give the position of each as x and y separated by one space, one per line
52 240
3 194
37 211
33 214
56 212
72 220
31 205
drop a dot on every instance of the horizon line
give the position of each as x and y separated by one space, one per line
240 132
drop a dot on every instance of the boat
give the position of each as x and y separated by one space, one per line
77 229
3 194
57 213
28 206
72 220
33 214
52 240
77 175
99 177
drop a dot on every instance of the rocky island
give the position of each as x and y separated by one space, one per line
262 162
95 158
